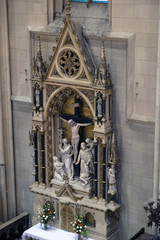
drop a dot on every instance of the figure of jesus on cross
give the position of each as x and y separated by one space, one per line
75 137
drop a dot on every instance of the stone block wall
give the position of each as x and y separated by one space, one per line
22 117
136 150
21 15
141 18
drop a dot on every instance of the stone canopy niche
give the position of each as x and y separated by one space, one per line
75 153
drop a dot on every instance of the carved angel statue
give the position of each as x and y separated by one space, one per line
66 155
90 145
37 95
99 105
31 138
58 169
86 166
112 180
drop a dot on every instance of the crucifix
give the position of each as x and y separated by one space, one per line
75 122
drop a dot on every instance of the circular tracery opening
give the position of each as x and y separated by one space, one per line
69 63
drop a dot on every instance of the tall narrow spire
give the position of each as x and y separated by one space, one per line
39 57
103 58
102 67
68 10
39 67
104 72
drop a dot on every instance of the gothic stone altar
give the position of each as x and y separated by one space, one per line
75 154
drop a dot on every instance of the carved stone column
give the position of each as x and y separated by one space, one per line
157 125
6 121
3 190
51 7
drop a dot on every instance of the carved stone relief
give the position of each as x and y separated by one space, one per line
89 94
68 40
69 63
50 89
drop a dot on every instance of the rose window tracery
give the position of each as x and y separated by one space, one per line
69 63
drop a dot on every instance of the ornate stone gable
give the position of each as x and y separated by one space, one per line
66 191
72 61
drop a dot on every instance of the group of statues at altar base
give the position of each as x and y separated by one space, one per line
64 167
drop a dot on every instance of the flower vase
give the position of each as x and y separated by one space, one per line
79 237
44 226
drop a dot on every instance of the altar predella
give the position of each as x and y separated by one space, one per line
75 152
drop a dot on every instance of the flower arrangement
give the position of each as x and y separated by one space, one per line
153 207
47 215
79 226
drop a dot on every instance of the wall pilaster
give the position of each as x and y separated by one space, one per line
6 117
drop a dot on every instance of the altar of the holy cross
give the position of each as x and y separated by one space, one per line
75 153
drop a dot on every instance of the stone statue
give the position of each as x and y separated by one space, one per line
37 93
99 106
86 166
58 169
112 180
90 145
66 155
75 137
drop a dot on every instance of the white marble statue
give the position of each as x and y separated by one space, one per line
58 169
90 145
75 137
99 106
66 155
86 165
37 93
112 180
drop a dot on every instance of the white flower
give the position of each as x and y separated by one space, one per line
80 230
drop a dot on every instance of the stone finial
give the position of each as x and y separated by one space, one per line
103 58
68 9
39 66
104 72
113 139
39 58
113 151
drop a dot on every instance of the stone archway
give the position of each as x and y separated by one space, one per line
62 103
